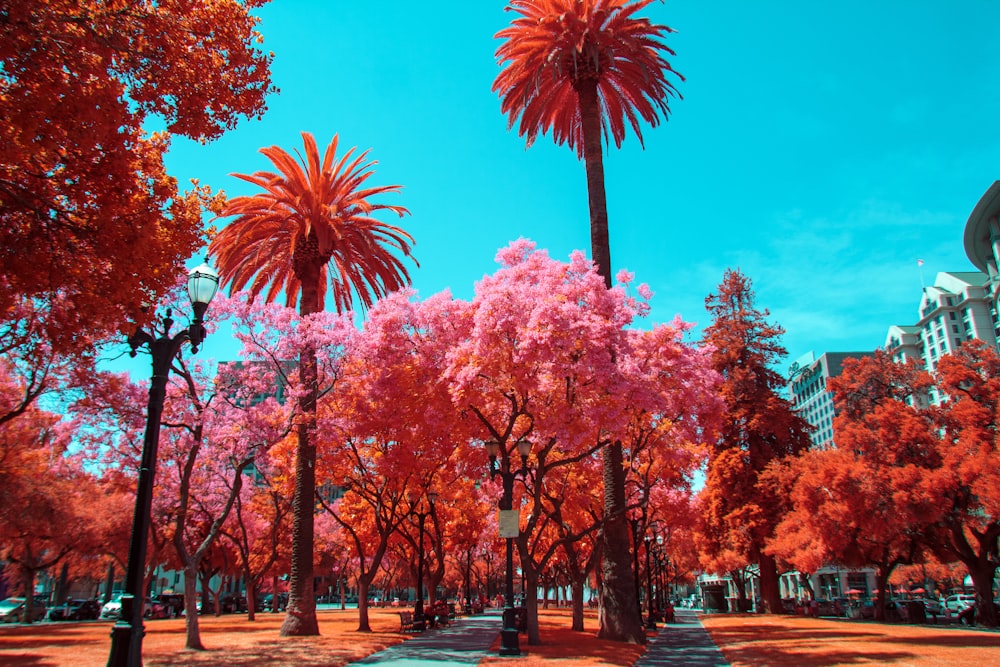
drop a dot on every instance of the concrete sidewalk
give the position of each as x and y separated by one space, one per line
465 641
684 643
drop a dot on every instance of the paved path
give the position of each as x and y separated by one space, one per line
464 641
467 639
684 643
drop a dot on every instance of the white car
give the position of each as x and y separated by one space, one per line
11 610
959 602
113 607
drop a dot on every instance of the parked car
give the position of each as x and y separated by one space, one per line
11 610
933 607
174 603
968 615
267 603
959 602
868 609
158 609
233 603
76 610
113 608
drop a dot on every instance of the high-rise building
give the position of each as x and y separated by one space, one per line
808 393
957 308
982 238
960 305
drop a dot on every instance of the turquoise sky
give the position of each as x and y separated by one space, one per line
822 148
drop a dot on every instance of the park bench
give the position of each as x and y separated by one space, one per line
407 624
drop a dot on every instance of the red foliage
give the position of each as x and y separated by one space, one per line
83 186
740 507
556 45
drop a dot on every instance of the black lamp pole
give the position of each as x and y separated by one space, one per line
127 632
663 562
634 520
508 635
418 610
651 621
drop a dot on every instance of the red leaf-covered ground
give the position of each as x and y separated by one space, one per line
744 639
804 642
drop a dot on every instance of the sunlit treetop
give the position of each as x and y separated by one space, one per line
556 47
88 214
313 220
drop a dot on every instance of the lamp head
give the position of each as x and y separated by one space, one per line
202 284
524 448
492 450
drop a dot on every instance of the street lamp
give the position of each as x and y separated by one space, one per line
418 609
509 529
651 621
662 566
634 521
126 635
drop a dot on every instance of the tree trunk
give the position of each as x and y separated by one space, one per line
881 580
29 594
363 587
577 592
300 615
619 614
770 591
982 573
590 117
109 583
62 584
251 593
531 607
192 633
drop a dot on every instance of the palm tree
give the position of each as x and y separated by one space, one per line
311 224
581 68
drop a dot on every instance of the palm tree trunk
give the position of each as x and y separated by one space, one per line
619 616
300 615
590 115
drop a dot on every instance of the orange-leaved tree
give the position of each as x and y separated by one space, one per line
91 222
311 225
583 68
873 498
739 511
968 483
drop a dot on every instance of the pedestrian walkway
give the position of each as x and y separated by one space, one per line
464 641
684 643
467 640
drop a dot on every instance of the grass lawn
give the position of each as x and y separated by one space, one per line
744 639
797 641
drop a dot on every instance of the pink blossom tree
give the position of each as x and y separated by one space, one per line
549 357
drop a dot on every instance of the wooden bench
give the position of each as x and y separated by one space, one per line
406 622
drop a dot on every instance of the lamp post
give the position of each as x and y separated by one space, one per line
509 527
662 568
634 520
126 635
651 621
418 609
